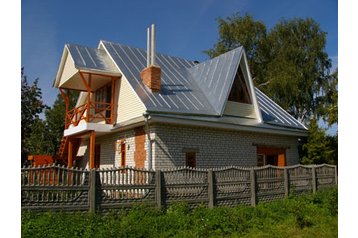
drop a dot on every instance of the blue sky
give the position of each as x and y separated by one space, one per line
184 28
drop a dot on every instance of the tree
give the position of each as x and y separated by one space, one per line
329 101
55 119
288 63
38 142
31 107
243 31
319 149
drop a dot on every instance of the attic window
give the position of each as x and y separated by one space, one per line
239 91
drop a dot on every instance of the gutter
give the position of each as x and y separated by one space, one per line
149 144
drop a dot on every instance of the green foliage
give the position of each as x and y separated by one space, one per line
329 101
304 216
31 108
55 120
288 63
319 148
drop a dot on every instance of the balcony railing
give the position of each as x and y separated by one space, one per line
97 111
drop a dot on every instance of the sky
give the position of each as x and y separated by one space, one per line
184 28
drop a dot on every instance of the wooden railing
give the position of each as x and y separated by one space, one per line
97 110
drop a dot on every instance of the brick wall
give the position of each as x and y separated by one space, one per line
215 148
109 157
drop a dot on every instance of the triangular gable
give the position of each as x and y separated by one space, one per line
76 59
242 100
215 77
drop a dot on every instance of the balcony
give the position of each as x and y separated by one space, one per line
98 112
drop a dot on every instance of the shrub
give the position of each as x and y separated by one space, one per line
304 216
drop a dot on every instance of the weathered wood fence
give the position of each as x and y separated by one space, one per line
59 188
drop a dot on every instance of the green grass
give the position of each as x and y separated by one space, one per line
305 216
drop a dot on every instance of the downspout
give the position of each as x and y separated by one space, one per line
149 144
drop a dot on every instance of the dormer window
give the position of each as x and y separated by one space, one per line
239 91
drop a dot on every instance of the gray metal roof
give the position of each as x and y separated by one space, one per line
86 58
274 114
215 77
192 89
179 92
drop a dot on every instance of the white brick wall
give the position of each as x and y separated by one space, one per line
108 156
216 147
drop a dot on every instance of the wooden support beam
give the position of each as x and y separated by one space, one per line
92 148
70 153
112 101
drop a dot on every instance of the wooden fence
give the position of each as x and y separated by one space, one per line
60 188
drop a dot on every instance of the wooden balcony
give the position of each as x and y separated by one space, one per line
98 111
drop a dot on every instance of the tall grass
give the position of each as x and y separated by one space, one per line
305 216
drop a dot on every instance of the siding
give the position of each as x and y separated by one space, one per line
240 109
68 70
129 105
215 147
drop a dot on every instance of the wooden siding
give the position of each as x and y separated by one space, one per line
128 104
240 109
68 70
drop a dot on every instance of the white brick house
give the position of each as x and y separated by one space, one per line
141 109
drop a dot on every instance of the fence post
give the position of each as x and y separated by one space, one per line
92 190
211 191
314 179
253 187
158 188
287 182
336 174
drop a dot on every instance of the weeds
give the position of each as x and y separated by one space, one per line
303 216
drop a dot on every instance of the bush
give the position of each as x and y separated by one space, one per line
304 216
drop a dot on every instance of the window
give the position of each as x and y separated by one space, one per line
260 160
103 99
190 159
239 91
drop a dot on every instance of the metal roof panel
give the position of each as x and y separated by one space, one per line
91 59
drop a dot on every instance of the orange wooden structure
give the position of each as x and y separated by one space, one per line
89 112
38 160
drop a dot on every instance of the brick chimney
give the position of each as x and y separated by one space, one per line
151 75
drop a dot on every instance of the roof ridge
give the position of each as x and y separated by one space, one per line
162 54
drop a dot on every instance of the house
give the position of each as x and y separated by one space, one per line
149 110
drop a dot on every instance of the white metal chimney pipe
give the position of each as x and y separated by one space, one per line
148 47
153 46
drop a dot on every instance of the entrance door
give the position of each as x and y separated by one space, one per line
271 155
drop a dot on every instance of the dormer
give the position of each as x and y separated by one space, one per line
93 73
241 100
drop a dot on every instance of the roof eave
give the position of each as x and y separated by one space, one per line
161 118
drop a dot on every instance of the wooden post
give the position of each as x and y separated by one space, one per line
92 148
253 187
287 183
158 188
314 179
112 102
70 153
92 191
89 98
211 191
336 174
